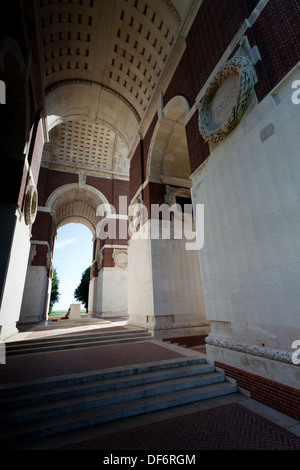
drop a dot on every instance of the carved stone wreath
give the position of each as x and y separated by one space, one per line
173 192
135 214
120 258
31 204
170 199
236 99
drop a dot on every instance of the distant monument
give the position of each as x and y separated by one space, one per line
75 313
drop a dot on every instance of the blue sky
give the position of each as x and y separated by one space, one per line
72 255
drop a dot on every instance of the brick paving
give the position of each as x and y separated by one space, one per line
231 427
49 364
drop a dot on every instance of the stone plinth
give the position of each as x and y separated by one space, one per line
75 313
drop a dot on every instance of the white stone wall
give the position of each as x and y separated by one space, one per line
109 295
92 300
34 303
140 283
250 261
16 270
165 292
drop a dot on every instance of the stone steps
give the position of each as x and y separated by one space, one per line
54 406
72 341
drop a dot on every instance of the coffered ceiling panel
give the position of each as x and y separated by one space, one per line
119 47
86 145
83 143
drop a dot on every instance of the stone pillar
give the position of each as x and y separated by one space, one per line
37 291
164 285
15 245
108 285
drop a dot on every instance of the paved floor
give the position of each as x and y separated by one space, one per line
234 422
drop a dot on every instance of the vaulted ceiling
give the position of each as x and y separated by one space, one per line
102 62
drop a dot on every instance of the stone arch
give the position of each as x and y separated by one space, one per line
168 152
76 202
84 101
69 203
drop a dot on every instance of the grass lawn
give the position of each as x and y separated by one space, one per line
57 314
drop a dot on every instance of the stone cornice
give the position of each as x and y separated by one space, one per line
252 349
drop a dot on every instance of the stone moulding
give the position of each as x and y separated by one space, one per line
243 68
252 349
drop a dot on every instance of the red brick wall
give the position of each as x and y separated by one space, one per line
108 260
40 258
278 396
198 148
154 194
49 180
250 5
102 184
277 35
188 341
119 188
42 227
138 164
208 38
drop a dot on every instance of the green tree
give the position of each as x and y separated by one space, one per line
82 290
54 290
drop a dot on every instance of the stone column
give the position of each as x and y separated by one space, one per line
164 282
37 291
108 286
15 245
108 290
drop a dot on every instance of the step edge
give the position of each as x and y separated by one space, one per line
70 345
70 337
105 385
109 372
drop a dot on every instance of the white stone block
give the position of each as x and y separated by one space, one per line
165 289
34 302
110 297
18 258
75 313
